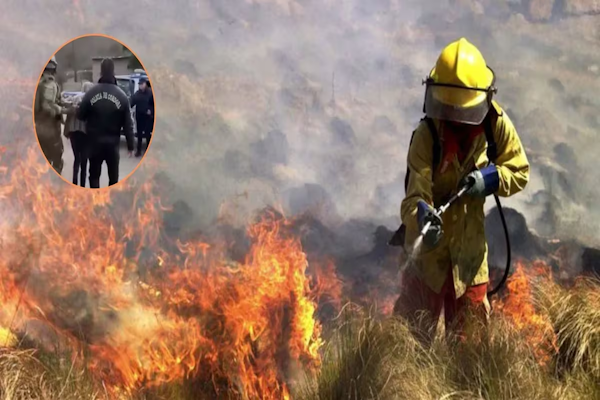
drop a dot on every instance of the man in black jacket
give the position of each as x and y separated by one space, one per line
105 109
143 102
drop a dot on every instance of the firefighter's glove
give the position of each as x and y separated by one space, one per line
482 182
425 214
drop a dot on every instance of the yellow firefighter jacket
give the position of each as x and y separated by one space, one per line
463 246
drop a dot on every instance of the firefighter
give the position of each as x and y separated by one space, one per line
450 270
105 110
48 114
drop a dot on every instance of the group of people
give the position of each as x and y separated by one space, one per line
466 140
95 120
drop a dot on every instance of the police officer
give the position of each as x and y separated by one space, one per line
105 109
143 102
48 112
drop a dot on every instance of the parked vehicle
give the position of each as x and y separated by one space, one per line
67 97
131 83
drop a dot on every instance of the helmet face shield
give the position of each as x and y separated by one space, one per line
462 105
457 103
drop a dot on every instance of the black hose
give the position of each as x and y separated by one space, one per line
508 253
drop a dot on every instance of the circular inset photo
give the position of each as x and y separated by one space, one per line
93 111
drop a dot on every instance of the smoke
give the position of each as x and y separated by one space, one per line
310 105
322 78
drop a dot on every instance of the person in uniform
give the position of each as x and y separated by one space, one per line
106 112
450 270
143 102
48 112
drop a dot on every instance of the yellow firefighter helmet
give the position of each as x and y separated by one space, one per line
460 86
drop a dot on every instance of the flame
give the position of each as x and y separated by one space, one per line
326 283
7 338
519 308
76 264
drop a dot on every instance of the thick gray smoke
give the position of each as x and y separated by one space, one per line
310 104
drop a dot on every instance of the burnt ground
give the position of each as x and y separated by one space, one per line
367 264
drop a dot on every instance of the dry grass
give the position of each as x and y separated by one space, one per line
575 316
367 358
25 374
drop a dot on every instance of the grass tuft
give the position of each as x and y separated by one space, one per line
370 358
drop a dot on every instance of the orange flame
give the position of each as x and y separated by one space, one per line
519 308
73 262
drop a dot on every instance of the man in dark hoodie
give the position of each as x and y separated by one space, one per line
143 102
105 109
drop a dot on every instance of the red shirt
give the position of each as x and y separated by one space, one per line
457 142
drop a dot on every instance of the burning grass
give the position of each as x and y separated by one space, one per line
95 277
366 357
511 358
96 302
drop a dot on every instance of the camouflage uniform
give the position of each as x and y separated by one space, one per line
48 119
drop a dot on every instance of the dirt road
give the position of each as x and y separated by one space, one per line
125 167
